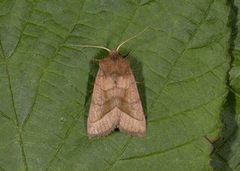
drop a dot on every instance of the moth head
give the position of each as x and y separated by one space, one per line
114 52
114 64
114 55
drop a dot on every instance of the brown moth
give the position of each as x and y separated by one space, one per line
115 99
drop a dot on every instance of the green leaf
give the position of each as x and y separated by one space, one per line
227 149
45 85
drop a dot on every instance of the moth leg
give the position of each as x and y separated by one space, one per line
139 82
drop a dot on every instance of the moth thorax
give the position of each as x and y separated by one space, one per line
114 75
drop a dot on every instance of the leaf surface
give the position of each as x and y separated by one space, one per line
227 149
45 85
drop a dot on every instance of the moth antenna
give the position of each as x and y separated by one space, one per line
131 38
92 46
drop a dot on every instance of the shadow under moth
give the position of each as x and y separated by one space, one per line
115 101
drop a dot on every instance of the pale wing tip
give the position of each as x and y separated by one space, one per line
98 135
132 126
94 133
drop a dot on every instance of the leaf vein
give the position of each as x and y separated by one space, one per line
188 110
159 152
44 70
18 126
181 54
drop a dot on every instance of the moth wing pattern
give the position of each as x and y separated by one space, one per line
100 122
132 118
115 100
128 116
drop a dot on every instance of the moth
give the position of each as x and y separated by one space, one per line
115 101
